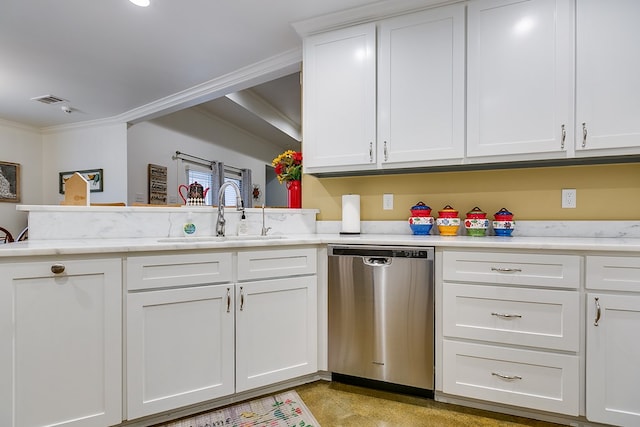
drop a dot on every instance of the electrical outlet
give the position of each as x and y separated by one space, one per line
568 198
387 202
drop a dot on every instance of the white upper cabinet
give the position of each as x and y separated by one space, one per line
519 81
421 87
607 83
339 102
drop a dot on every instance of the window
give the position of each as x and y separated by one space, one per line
229 193
204 178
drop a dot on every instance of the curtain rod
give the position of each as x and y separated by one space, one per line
203 162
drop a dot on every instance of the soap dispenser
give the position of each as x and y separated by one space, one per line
189 227
243 226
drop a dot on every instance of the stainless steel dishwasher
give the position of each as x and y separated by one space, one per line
381 316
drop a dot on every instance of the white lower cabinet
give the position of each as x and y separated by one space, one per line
180 347
531 379
510 327
613 347
276 324
61 342
204 325
180 340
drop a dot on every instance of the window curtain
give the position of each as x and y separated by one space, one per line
247 188
217 170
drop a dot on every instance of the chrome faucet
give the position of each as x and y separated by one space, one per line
265 230
239 205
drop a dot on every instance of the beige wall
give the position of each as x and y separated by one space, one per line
604 192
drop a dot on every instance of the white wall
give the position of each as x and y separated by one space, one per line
199 134
96 146
23 145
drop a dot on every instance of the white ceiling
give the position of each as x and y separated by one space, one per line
110 57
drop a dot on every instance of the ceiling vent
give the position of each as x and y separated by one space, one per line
49 99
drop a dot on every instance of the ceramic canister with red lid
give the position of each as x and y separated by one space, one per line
504 223
476 222
448 221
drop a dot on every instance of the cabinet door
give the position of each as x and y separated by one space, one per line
339 110
608 66
180 347
613 351
519 77
276 331
61 343
421 87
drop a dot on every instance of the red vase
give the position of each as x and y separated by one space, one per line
294 196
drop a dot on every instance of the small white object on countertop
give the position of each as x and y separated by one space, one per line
351 214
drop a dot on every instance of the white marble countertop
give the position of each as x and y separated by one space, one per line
132 245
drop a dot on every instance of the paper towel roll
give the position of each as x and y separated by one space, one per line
351 214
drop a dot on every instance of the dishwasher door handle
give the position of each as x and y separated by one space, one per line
376 261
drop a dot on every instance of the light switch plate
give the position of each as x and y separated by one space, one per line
387 202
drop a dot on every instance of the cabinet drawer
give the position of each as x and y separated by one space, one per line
276 263
531 379
615 273
161 271
520 316
561 271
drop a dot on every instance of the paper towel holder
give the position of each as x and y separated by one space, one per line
350 215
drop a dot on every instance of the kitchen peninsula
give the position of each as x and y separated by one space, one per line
102 313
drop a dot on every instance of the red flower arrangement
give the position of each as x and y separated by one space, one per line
288 166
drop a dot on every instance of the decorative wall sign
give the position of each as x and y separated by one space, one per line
157 179
9 182
94 177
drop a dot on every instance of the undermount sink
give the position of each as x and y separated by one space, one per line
217 238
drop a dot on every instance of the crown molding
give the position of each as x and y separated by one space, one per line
17 125
272 68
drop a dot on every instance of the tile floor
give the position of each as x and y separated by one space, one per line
340 405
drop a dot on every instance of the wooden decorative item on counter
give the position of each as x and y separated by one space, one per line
76 191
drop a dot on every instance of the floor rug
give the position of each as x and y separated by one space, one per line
281 410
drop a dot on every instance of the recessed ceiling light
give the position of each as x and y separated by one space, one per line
141 3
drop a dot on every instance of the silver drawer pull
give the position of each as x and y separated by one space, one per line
506 377
598 312
57 268
506 270
507 316
228 300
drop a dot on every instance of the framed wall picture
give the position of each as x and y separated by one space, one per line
9 182
94 177
157 180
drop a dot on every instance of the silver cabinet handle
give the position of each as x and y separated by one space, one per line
228 300
370 152
507 316
506 377
564 137
57 268
241 298
598 312
506 270
584 135
386 152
